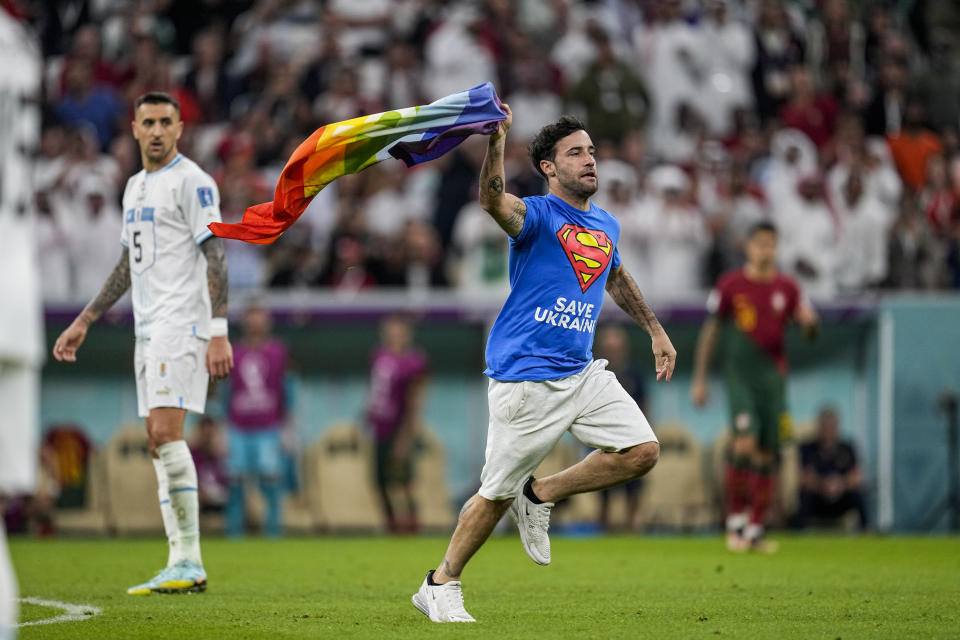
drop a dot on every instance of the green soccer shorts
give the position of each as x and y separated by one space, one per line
758 407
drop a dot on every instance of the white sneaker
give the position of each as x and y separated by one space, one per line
442 602
533 520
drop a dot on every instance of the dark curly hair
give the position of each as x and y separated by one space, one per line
544 146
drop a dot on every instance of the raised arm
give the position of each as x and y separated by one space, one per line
116 285
219 352
507 209
624 290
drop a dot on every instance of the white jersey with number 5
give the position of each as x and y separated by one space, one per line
165 218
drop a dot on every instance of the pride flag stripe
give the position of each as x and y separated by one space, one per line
412 135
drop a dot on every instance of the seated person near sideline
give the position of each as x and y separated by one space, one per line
830 477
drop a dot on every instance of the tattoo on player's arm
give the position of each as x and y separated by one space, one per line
625 292
216 275
113 289
517 216
495 186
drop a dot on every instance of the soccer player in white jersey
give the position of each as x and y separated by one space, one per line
178 274
21 324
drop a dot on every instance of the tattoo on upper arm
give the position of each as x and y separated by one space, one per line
216 275
113 289
515 220
495 186
625 292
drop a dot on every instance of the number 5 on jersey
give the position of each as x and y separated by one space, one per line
143 244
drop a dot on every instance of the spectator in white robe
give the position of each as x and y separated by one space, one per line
678 238
94 236
864 229
670 55
455 57
728 53
809 241
53 251
792 156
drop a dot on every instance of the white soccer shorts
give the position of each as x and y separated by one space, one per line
171 371
528 418
20 403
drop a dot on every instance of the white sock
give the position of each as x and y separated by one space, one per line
166 512
182 476
737 521
753 531
8 591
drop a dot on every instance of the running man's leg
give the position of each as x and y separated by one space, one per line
599 470
526 421
478 517
611 422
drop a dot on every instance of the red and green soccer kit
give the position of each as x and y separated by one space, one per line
753 316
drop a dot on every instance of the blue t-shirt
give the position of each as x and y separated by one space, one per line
559 265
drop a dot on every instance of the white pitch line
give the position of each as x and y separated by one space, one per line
71 613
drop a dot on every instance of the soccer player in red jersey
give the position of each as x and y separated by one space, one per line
749 311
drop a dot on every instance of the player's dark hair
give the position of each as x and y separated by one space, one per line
544 146
156 97
762 226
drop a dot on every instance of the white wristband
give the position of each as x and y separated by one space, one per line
218 327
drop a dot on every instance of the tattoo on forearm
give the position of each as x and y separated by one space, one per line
495 186
625 292
216 275
113 289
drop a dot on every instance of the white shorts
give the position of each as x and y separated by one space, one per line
19 417
171 371
528 418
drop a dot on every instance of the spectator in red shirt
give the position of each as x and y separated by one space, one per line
813 113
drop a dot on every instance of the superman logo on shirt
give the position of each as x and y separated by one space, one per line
588 251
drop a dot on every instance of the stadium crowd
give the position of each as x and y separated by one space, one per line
836 119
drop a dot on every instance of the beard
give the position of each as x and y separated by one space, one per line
575 187
157 154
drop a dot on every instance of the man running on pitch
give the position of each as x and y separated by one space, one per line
543 378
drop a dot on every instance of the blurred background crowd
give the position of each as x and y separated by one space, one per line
837 119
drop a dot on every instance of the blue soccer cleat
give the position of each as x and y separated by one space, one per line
183 577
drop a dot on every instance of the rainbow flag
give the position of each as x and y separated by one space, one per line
413 135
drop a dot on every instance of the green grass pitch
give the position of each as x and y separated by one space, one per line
614 587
